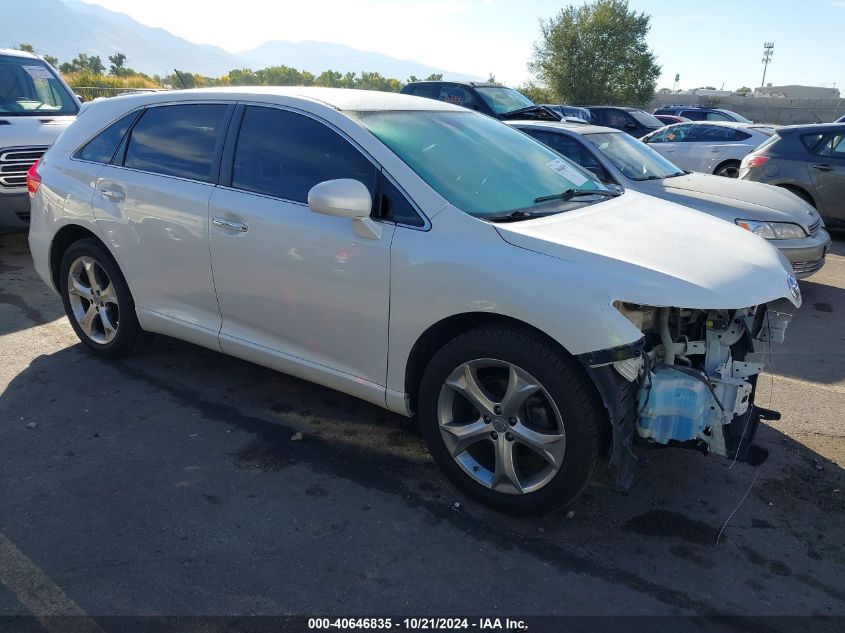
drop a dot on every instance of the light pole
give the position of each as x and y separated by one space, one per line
768 49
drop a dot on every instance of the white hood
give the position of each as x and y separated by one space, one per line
652 252
35 131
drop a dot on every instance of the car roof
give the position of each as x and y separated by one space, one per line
16 53
604 107
733 124
578 128
823 128
344 99
474 84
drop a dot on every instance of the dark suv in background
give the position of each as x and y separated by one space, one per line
494 100
699 113
634 121
809 160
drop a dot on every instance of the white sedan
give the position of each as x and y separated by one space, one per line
420 256
710 147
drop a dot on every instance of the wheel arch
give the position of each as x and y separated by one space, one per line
443 331
66 236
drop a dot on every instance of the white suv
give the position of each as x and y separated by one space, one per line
36 105
422 257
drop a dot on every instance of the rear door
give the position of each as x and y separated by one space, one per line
827 171
152 204
668 142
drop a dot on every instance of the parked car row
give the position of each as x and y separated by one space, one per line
538 319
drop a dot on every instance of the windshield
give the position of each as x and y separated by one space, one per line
633 158
644 118
478 164
502 100
29 88
737 117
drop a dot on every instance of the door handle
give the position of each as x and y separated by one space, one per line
112 194
822 167
230 224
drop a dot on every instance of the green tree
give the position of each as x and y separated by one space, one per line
596 53
84 63
537 94
27 48
117 61
53 61
664 91
745 90
434 77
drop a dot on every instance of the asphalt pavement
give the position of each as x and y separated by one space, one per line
169 483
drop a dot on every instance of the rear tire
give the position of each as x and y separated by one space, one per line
97 300
728 169
527 439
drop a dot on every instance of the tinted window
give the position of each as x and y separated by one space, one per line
574 150
811 141
102 147
283 154
694 115
617 118
457 95
177 140
425 90
396 207
833 147
713 134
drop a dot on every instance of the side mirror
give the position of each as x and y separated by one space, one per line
345 198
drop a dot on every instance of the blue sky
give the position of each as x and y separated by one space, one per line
709 42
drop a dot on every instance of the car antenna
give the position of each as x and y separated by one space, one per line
818 120
179 75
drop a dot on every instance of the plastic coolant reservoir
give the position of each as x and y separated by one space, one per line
677 406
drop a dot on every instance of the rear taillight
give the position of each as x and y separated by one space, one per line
33 179
753 161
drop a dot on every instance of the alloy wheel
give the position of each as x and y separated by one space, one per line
93 300
501 426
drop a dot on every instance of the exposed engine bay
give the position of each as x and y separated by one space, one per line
688 382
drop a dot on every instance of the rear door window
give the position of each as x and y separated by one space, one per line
694 115
711 134
102 147
178 140
834 147
283 154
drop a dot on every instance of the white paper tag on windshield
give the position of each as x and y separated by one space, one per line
38 72
567 171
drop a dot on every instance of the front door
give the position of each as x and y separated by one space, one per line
293 285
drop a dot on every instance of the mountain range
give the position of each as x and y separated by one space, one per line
64 28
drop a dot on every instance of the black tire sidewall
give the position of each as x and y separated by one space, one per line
566 387
128 328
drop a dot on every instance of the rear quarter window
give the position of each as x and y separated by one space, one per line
811 141
102 147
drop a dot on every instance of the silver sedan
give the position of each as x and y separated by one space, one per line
617 159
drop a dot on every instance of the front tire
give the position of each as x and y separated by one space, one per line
510 420
97 300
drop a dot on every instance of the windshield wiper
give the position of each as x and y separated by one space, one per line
576 193
516 216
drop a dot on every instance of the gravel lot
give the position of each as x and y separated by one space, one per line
169 484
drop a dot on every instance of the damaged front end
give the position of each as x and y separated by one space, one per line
688 382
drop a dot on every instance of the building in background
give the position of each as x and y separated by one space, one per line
797 92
